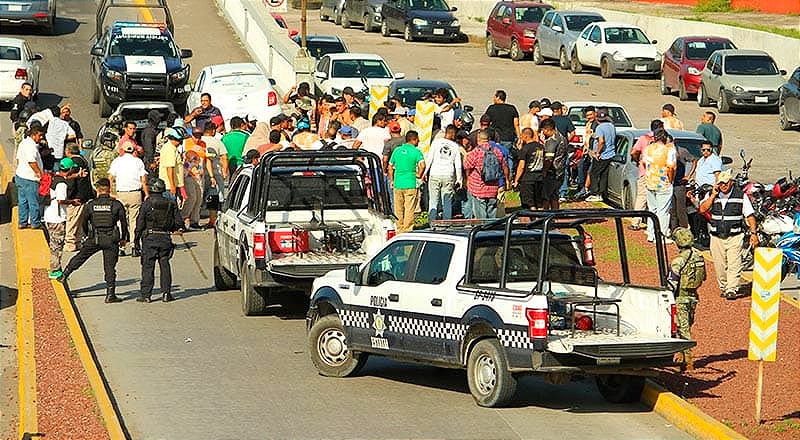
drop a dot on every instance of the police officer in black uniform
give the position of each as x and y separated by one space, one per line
105 228
158 218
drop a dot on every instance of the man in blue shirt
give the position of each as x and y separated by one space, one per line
708 166
602 151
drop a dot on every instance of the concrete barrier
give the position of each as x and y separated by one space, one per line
785 50
268 44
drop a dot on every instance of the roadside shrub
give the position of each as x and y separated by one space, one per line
713 6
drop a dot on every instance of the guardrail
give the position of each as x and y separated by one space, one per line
268 44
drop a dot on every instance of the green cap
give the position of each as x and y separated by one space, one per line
66 164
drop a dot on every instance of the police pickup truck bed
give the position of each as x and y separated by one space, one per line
480 299
294 217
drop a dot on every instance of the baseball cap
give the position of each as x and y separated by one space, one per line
556 105
66 164
412 112
275 120
399 111
602 115
545 102
545 112
485 119
128 147
174 134
303 124
346 130
251 117
394 127
724 176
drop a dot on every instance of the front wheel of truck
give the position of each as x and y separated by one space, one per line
490 381
620 388
328 348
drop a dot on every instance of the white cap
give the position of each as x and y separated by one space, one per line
547 111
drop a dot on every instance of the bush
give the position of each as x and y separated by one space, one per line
713 6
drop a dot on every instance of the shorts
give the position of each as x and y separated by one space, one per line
530 194
550 186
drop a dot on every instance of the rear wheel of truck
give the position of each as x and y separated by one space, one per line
620 388
490 381
223 279
327 345
252 299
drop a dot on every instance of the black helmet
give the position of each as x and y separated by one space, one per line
157 185
108 138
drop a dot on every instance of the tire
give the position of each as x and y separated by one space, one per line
683 95
223 279
575 64
95 94
722 102
664 89
327 346
563 61
385 29
407 33
491 49
368 23
538 59
105 107
252 300
322 16
605 69
783 119
490 381
337 17
346 23
627 198
620 388
702 96
515 52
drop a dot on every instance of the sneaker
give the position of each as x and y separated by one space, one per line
54 274
668 240
635 227
581 194
562 199
62 278
594 198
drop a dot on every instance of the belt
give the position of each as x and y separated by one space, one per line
152 231
131 191
725 236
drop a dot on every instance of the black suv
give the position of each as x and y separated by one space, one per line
366 12
138 61
420 19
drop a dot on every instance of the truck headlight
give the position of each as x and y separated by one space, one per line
377 9
113 75
618 57
180 75
336 92
737 89
529 33
455 23
419 22
693 71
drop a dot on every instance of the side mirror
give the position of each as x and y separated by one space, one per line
88 144
468 108
453 9
741 153
97 51
320 75
654 41
186 53
293 33
783 72
506 21
399 75
272 82
558 29
726 160
38 56
353 274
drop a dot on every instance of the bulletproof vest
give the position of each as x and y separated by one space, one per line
694 269
160 217
101 217
101 162
727 221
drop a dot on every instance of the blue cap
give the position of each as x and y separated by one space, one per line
174 134
346 130
412 112
303 124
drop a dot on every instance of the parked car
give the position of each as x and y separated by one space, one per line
512 26
420 19
737 78
360 71
623 171
135 111
366 12
615 48
684 60
237 89
412 90
331 9
321 45
556 36
18 64
574 112
282 23
789 101
40 13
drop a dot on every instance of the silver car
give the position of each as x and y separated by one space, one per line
41 13
623 172
557 34
740 78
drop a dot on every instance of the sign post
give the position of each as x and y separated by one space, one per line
766 299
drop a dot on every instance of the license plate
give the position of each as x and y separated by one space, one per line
438 32
761 99
15 8
608 361
640 68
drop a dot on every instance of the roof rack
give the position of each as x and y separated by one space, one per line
463 223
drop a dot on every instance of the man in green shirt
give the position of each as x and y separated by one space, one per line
234 142
708 130
406 165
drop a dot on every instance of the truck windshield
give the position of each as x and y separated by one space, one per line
523 258
315 190
143 45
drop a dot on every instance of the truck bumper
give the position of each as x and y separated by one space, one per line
296 276
118 92
635 67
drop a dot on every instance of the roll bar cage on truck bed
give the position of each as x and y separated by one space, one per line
132 5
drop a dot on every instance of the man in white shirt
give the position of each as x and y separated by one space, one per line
55 215
27 176
42 116
372 138
444 109
58 132
130 176
444 173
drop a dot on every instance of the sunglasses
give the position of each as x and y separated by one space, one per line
705 149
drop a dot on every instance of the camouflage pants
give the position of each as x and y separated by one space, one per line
19 135
685 305
57 233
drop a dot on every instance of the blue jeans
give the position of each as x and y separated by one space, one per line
562 191
169 196
484 208
659 202
440 192
28 202
389 189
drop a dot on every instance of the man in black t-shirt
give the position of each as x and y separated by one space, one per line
504 118
529 175
567 129
79 187
555 157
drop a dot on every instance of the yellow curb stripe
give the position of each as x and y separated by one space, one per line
28 414
686 416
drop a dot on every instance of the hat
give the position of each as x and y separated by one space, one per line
128 147
485 119
305 103
394 127
545 102
399 111
556 105
66 164
251 117
412 112
346 130
303 124
683 237
545 112
602 115
174 134
724 176
275 120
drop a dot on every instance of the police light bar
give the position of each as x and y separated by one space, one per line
139 24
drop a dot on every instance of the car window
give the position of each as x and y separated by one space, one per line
578 22
434 262
428 5
529 14
750 65
359 68
234 198
595 35
701 50
675 50
11 53
617 114
28 52
134 43
498 13
623 35
318 49
200 80
548 19
585 33
237 83
506 13
410 95
691 144
712 62
291 189
391 264
523 258
323 64
622 145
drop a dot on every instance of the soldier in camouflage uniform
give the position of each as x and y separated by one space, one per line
102 156
689 270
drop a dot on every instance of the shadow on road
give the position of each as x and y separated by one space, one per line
8 297
63 26
729 356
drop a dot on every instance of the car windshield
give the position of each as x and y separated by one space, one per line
750 65
620 35
410 95
529 15
359 68
618 116
12 53
578 22
143 45
309 189
701 50
693 145
238 83
428 5
318 49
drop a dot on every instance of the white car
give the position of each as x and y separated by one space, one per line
616 49
336 71
17 65
619 116
237 89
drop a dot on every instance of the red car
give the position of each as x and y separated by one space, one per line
684 60
512 26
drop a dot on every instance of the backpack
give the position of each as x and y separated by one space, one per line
45 183
101 162
491 170
560 158
693 272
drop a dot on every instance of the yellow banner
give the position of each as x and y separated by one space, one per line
424 122
766 299
377 97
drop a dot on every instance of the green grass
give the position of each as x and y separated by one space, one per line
713 6
604 236
478 19
786 32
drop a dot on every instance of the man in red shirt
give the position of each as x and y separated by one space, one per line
483 195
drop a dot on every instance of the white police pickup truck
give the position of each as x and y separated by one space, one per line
294 217
481 299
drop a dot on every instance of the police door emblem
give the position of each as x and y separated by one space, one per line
378 323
